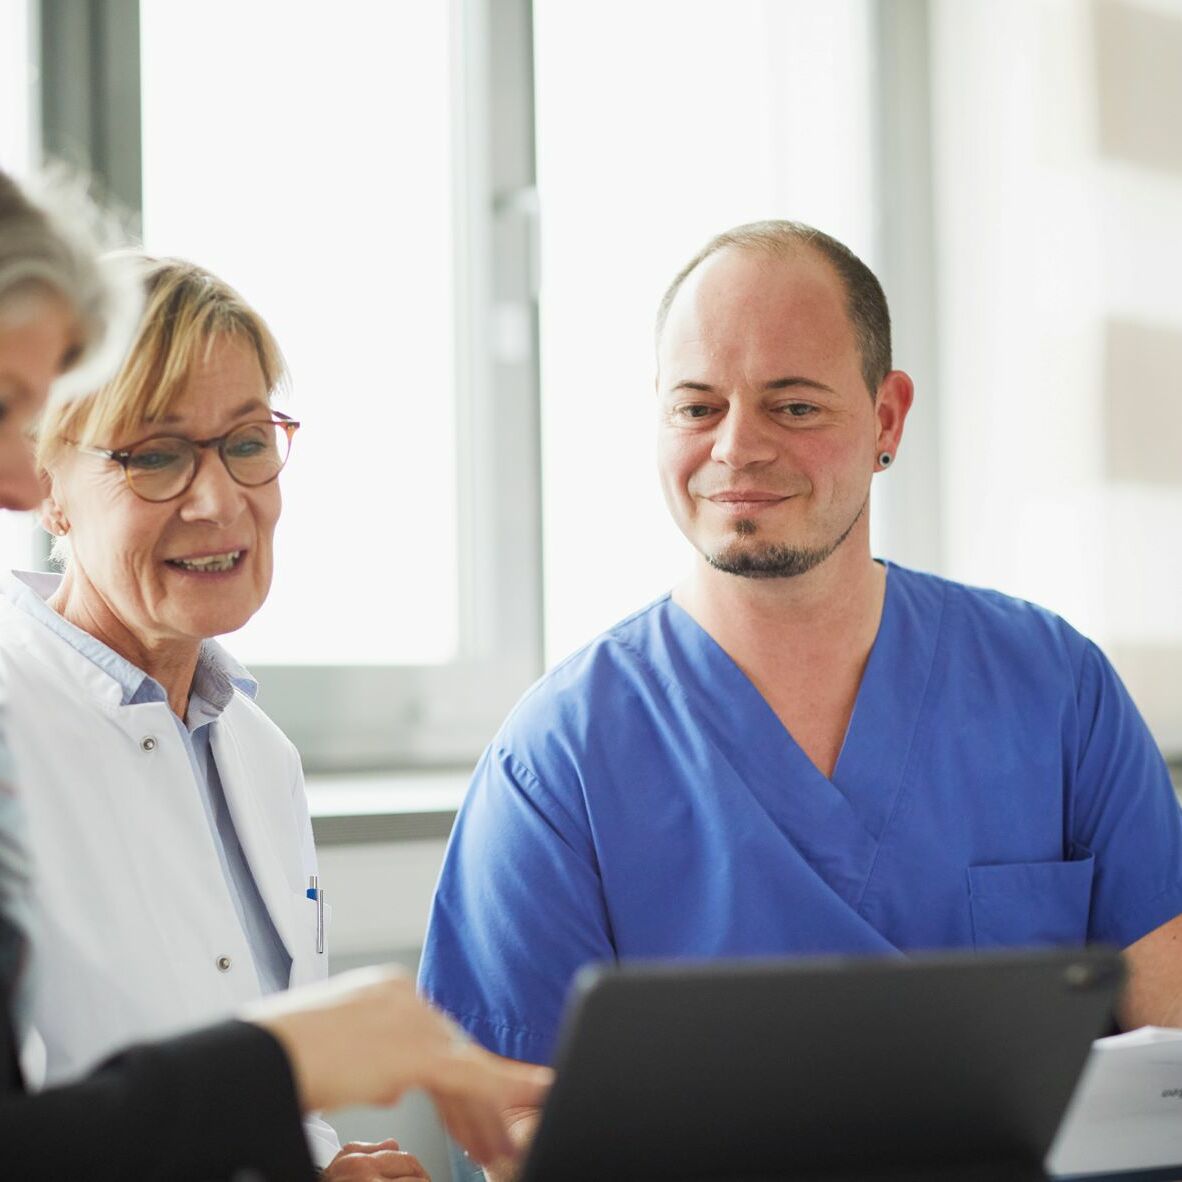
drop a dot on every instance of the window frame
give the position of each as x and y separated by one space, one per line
908 519
363 718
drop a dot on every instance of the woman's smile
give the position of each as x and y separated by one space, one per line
218 563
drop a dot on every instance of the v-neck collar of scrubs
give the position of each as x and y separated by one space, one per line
836 822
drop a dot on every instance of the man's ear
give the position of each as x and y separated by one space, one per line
892 401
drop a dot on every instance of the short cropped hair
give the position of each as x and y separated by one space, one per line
866 304
51 234
187 310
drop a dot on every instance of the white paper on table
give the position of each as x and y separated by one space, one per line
1126 1112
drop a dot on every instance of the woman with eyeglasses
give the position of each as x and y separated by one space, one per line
170 840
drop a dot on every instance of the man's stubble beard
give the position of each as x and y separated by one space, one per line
774 561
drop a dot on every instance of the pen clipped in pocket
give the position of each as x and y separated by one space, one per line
315 919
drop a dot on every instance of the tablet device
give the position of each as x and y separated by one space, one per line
953 1067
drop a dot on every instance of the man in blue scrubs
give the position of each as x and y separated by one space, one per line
801 749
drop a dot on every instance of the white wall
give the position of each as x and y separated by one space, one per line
380 895
1059 186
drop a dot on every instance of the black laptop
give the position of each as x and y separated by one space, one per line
950 1067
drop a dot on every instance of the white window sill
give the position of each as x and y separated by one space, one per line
385 806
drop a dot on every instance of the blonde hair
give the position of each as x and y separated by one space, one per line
187 309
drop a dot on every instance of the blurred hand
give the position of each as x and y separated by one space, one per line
362 1161
522 1124
365 1037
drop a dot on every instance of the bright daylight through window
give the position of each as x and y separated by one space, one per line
330 208
715 114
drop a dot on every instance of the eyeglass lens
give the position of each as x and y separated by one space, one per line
253 453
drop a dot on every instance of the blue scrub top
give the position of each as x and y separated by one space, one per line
996 787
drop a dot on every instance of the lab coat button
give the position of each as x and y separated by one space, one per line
224 963
147 743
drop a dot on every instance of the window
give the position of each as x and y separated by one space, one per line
381 221
329 206
711 114
17 109
386 221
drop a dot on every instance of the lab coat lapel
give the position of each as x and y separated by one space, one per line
254 833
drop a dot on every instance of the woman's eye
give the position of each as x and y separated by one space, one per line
245 448
152 461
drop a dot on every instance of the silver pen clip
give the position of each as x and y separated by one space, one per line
315 892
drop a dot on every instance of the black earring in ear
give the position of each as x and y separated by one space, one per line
885 459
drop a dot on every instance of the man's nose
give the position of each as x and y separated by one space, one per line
214 495
744 437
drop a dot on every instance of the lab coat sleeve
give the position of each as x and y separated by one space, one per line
1124 811
323 1142
200 1107
518 910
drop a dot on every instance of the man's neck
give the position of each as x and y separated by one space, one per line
804 642
832 610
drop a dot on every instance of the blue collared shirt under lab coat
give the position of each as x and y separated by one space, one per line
214 682
996 787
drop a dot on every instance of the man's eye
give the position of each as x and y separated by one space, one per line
799 410
695 410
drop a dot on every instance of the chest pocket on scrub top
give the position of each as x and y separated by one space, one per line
1023 904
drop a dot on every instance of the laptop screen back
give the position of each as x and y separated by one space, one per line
807 1068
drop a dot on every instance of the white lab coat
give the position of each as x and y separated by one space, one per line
136 935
